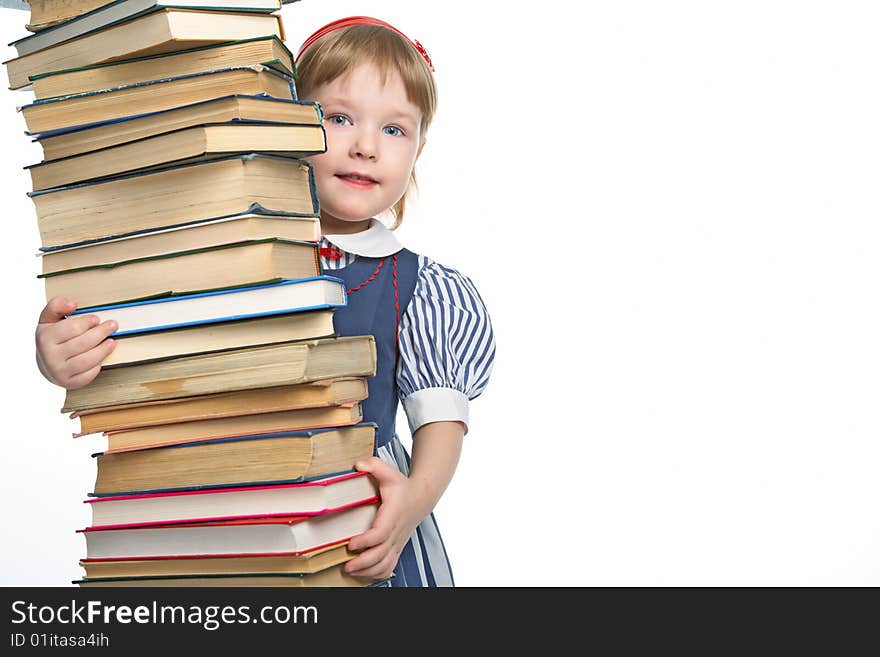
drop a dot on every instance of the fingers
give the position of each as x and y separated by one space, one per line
57 309
84 342
90 359
375 564
384 473
83 378
375 535
69 328
75 362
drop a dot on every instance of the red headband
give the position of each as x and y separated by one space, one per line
361 20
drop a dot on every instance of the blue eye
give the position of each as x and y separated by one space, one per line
393 130
338 119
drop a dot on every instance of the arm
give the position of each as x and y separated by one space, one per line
406 500
445 361
436 449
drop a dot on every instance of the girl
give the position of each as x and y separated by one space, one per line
434 341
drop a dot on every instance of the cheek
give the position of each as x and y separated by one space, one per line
407 159
322 164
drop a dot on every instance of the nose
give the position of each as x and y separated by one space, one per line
365 145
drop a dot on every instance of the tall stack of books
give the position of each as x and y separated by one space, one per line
172 199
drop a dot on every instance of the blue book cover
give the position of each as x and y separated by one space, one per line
171 302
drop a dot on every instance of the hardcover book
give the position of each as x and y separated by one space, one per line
181 146
307 561
174 196
122 10
234 108
226 305
154 33
333 392
244 264
80 111
269 51
142 348
333 576
243 227
197 431
285 457
234 537
288 363
315 497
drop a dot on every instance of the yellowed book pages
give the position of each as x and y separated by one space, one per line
45 13
333 576
174 196
179 433
304 562
179 147
240 369
151 34
215 110
205 234
221 405
265 50
193 340
188 272
94 107
275 458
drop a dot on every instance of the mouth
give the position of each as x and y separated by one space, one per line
357 179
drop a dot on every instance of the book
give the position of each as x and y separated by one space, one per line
96 107
203 234
122 10
175 196
225 336
316 497
282 364
235 537
345 390
333 576
286 296
181 146
284 457
233 108
193 431
45 13
308 561
157 32
255 262
269 51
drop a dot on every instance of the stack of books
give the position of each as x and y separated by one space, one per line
172 199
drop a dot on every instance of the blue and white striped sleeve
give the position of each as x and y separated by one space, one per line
446 347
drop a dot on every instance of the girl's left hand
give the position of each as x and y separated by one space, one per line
395 521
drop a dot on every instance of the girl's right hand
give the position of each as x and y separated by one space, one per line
70 351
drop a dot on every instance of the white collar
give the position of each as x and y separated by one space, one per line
374 242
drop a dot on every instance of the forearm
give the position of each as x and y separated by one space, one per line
435 453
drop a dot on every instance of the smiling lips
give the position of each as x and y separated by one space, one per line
359 180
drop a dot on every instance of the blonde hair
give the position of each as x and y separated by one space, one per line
344 49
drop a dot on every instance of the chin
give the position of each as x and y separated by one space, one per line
352 216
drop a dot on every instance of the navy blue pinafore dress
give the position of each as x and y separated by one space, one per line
379 291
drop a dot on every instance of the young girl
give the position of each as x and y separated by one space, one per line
434 341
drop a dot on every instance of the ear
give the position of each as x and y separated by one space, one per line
421 146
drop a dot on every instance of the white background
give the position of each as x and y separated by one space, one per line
671 212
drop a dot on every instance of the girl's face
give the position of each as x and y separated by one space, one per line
373 141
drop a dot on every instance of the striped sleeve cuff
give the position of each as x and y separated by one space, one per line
436 405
